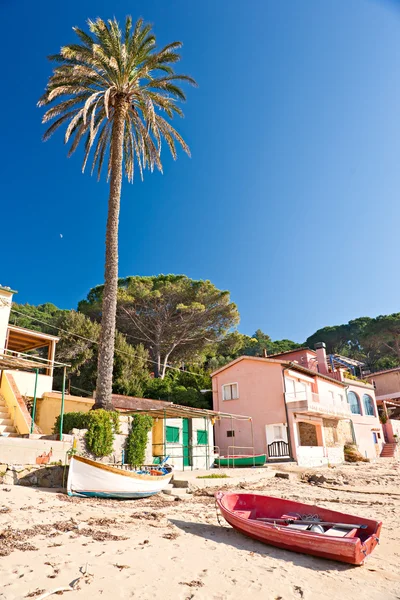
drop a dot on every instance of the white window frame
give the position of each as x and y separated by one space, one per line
230 385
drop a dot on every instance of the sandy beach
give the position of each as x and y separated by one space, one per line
169 548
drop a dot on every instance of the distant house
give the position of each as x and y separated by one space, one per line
387 390
303 407
26 369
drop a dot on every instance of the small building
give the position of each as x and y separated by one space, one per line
26 370
387 390
302 408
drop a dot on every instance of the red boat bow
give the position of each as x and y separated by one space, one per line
351 545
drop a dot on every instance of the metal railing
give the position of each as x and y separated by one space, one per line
167 449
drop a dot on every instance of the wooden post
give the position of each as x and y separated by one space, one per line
62 405
34 401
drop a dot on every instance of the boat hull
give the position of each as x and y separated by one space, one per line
88 478
241 461
241 511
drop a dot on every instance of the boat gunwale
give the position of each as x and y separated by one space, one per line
281 529
236 456
118 471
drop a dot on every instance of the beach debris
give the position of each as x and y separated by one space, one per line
144 542
282 475
194 583
121 567
34 593
171 536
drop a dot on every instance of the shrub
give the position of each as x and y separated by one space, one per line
100 433
72 420
135 448
101 426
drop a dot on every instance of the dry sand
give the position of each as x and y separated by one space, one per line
175 549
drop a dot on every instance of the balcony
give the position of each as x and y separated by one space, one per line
318 405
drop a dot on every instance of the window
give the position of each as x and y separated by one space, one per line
354 403
277 432
368 405
202 437
230 433
295 390
172 434
374 437
230 391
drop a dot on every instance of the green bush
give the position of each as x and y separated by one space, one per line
135 448
72 420
101 426
100 433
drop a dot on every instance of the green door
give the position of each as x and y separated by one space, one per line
186 443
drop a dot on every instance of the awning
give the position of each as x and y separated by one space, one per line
176 411
20 339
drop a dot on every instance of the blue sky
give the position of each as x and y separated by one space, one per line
291 197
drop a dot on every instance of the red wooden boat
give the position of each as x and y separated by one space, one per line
285 526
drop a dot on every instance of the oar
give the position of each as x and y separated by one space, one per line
326 523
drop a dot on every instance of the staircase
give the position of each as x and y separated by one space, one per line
7 428
389 450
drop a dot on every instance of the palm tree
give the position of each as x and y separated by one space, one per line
110 89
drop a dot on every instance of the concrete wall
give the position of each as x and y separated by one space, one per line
25 451
261 396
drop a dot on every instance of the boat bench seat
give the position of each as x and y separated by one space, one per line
245 514
339 532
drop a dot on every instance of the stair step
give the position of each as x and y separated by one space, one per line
4 414
9 434
7 429
172 491
6 421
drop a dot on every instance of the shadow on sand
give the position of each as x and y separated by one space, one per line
228 535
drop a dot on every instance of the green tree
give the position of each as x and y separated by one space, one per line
173 316
78 346
335 337
110 88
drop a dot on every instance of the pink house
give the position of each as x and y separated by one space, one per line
302 409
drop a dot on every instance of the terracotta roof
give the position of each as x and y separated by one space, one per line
372 375
284 363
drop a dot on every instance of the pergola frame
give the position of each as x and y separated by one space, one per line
11 360
176 411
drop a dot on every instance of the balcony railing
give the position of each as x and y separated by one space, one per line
318 404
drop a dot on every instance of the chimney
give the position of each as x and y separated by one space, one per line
6 295
265 354
321 358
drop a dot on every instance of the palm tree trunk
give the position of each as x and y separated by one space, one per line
109 305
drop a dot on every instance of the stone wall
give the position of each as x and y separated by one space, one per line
118 444
308 434
51 476
337 433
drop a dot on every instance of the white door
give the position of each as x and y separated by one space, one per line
277 441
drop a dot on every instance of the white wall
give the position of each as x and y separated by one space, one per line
311 456
25 382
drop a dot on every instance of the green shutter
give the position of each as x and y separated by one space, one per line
202 437
172 435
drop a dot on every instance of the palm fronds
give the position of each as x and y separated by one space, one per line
116 67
